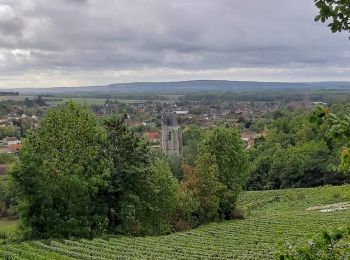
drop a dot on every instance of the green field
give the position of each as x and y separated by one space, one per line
96 101
7 229
16 98
271 216
82 101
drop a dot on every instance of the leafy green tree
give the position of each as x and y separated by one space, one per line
304 165
141 192
191 139
336 10
225 145
161 199
150 209
131 159
175 163
294 153
207 188
339 130
61 171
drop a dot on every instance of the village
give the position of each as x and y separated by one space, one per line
146 118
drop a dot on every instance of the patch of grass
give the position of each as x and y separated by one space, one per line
7 229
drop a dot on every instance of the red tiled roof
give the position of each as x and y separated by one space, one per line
152 135
15 147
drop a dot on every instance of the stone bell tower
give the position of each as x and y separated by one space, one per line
171 138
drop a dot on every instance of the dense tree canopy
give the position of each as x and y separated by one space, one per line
141 191
61 171
224 146
294 153
77 178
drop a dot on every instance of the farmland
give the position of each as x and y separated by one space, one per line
271 216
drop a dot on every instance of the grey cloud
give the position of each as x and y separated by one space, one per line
180 34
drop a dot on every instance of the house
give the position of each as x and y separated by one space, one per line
15 147
181 112
10 140
249 137
153 136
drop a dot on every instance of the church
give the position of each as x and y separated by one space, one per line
171 136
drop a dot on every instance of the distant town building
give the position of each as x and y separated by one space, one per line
10 140
171 136
181 112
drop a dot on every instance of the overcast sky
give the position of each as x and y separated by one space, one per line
92 42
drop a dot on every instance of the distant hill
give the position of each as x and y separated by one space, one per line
189 86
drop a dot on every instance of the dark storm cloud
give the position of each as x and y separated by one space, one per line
154 34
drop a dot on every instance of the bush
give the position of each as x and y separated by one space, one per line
326 246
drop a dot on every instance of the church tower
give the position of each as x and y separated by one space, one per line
171 139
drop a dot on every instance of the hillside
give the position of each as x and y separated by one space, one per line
188 86
292 215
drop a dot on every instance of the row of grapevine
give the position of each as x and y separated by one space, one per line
281 216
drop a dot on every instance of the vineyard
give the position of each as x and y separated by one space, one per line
271 216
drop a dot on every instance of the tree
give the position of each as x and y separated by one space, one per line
204 184
336 10
160 200
294 153
191 139
131 159
338 129
141 192
61 172
304 165
225 145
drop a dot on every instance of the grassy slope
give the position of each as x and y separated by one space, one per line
272 216
7 229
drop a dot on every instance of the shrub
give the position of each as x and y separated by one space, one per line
326 246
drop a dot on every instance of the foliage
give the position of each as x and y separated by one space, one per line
302 165
224 146
130 156
271 216
327 246
162 198
175 164
296 152
191 138
336 10
6 131
6 197
203 182
61 171
339 130
7 158
141 193
8 230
